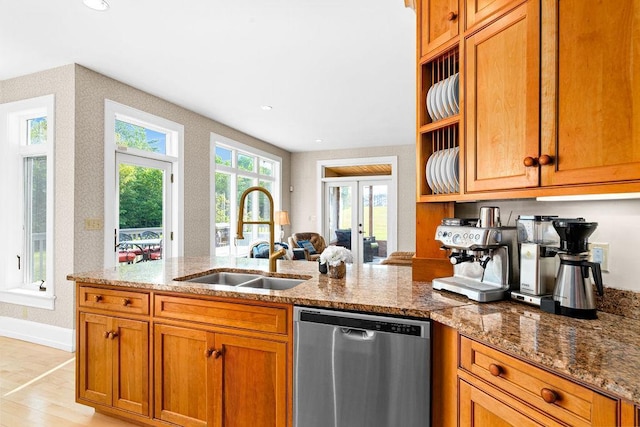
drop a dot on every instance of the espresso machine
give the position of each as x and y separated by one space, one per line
573 294
483 254
538 244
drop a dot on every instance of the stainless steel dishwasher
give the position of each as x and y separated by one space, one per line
357 370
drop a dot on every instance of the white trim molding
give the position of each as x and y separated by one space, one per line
38 333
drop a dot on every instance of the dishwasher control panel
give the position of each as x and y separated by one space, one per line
369 324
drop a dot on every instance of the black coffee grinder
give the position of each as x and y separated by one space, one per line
573 294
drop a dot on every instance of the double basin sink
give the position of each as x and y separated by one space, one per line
247 280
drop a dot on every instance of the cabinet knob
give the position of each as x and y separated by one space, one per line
495 370
113 335
549 395
126 301
212 352
530 161
545 159
106 334
97 298
452 16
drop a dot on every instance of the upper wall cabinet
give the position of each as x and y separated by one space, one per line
478 11
591 105
440 23
502 67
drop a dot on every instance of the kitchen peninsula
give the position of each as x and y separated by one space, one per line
589 355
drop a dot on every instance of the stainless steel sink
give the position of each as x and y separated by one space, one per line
246 280
275 283
225 278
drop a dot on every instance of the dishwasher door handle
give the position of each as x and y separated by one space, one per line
358 334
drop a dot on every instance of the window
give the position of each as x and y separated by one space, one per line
26 149
143 190
237 167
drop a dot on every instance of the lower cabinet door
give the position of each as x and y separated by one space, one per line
130 340
253 375
183 375
94 365
478 408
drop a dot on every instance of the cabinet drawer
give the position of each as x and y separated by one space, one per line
563 399
107 299
236 315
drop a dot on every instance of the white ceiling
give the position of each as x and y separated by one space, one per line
342 71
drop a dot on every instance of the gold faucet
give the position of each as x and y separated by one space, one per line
273 255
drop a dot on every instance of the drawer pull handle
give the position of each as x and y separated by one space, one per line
495 370
549 395
97 298
451 16
126 301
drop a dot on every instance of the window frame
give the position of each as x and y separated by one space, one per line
238 147
175 155
15 149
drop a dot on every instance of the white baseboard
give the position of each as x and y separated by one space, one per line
38 333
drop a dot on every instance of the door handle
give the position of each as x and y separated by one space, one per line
358 334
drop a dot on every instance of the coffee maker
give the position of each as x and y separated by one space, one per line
483 254
573 294
538 244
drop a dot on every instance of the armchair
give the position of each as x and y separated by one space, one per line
316 240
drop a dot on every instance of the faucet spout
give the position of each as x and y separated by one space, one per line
273 255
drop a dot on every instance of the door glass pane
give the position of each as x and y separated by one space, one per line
141 138
340 203
374 222
36 224
141 202
223 212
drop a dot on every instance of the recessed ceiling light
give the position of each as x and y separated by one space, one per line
267 107
318 141
99 5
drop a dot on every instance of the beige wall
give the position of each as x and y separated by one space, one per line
60 83
91 91
304 201
618 224
79 156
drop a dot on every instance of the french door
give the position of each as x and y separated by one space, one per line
143 209
359 215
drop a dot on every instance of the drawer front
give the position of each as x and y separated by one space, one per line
551 394
107 299
236 315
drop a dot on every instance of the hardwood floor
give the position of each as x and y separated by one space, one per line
37 389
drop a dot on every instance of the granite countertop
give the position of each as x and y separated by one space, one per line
603 353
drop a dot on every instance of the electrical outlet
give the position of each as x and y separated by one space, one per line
599 252
93 224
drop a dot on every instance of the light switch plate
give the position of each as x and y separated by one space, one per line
599 252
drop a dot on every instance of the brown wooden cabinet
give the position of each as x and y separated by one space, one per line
441 23
591 103
502 65
112 364
534 393
204 361
479 12
218 379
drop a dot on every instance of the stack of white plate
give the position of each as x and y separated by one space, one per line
443 98
442 171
